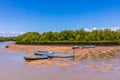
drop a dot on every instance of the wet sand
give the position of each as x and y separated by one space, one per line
96 54
12 67
79 53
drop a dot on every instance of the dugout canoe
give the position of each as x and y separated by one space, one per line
71 55
35 57
88 46
41 52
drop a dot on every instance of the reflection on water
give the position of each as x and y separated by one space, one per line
12 67
2 44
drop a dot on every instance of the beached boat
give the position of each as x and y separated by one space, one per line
61 55
35 57
41 52
88 46
75 47
52 54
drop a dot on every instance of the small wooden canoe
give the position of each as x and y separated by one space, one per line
40 52
61 55
75 47
35 57
88 46
52 54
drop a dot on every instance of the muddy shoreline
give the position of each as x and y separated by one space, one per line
103 52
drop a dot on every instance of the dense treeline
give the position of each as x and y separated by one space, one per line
71 36
7 39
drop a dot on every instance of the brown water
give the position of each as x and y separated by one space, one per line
12 67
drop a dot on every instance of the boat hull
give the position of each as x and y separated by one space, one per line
91 46
61 56
40 52
52 54
35 57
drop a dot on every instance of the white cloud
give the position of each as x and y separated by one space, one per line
87 29
95 28
90 29
10 33
112 28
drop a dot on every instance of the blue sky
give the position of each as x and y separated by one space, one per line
56 15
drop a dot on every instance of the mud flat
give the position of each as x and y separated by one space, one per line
96 54
14 67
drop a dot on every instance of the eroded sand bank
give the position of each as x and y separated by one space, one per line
99 52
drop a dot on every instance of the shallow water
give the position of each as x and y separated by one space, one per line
12 67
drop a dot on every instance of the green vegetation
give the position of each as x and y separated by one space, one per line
81 36
7 39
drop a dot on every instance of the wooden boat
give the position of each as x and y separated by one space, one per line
35 57
88 46
61 55
41 52
52 54
75 47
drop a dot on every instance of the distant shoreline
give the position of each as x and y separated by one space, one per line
71 43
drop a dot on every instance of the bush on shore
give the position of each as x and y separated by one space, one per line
7 39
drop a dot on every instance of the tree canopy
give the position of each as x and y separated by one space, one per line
71 36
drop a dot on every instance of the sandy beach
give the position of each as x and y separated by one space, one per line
96 53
